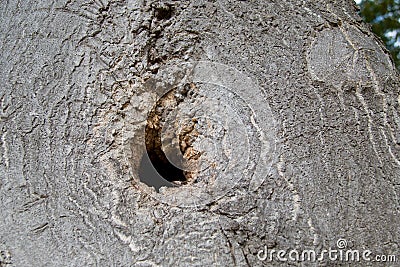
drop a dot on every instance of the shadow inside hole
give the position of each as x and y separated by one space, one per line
164 12
158 174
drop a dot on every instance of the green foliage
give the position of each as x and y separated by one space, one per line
384 16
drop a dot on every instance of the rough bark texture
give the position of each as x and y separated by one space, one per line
307 97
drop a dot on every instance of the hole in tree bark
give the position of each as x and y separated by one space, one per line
155 168
164 12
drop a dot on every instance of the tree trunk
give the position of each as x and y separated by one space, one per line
194 133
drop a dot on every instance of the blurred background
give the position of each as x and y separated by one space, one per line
384 17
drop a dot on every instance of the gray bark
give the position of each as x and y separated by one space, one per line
307 151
